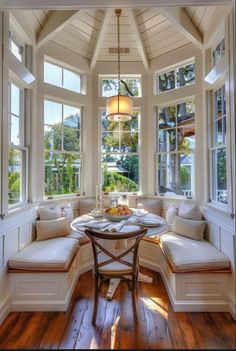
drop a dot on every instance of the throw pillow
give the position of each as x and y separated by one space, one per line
67 211
170 213
52 228
151 205
49 212
189 210
193 229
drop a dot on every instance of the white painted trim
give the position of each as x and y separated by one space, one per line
4 308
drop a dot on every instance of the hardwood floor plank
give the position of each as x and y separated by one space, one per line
159 326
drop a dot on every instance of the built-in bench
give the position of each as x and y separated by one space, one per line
196 274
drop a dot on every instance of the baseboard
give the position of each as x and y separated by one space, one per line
43 306
232 309
147 264
4 309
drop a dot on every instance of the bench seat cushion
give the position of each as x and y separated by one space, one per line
53 254
185 254
82 238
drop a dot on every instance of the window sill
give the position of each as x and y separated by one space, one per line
222 209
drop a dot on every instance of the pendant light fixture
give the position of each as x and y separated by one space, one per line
119 107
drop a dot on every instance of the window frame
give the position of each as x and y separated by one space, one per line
21 147
46 60
81 153
212 148
157 152
138 153
174 67
16 41
122 76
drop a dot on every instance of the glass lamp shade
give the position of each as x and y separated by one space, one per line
119 108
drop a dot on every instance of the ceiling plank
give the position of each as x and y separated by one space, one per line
140 43
56 22
75 4
179 17
100 38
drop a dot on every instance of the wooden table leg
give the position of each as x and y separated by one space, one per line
113 284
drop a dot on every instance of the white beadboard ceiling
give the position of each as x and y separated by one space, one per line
149 34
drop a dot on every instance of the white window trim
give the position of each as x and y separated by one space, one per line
139 153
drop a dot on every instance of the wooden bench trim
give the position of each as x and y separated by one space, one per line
48 270
152 240
173 270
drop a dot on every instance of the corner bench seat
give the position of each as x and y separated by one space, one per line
187 255
52 254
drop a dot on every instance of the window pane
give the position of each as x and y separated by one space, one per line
219 132
15 176
53 137
15 100
186 139
167 117
175 174
71 80
129 86
167 140
110 142
15 130
71 118
129 142
52 74
167 81
120 173
131 125
224 100
218 103
219 166
52 113
71 139
62 173
185 113
185 75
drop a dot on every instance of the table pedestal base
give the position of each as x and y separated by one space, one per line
113 284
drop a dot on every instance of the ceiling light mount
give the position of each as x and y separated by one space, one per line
119 107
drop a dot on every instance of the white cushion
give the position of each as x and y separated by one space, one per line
115 267
189 210
52 228
49 212
189 228
55 254
82 238
185 254
151 205
170 213
67 211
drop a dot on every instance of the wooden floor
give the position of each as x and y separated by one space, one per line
159 326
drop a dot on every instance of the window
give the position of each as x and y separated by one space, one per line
16 151
218 149
129 86
61 77
62 144
176 78
219 52
16 49
120 154
175 145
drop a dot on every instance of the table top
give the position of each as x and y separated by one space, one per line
80 223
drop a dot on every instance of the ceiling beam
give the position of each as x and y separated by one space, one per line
100 37
140 43
179 17
78 4
56 22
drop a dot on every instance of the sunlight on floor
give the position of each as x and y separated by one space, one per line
113 332
154 305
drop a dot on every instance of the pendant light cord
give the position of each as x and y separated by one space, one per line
118 13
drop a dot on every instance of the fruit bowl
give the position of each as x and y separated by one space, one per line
117 213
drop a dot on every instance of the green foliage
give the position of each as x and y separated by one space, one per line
184 175
114 182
